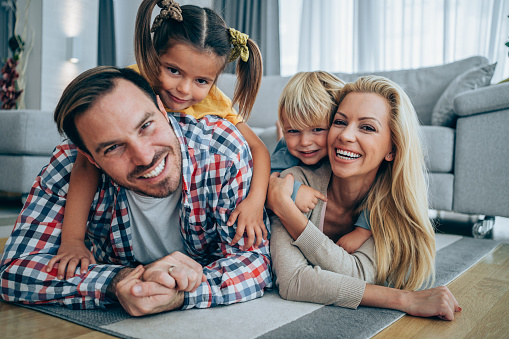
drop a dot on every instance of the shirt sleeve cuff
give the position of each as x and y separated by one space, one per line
296 186
96 283
350 292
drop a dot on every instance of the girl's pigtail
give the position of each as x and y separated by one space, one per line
144 51
249 77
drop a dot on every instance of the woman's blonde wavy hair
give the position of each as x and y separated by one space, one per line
397 201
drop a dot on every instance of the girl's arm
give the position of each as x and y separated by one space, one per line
250 211
72 251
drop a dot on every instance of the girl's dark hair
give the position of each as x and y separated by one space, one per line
205 30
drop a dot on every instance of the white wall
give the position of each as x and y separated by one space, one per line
53 21
125 17
49 71
62 19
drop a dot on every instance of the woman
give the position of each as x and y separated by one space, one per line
376 164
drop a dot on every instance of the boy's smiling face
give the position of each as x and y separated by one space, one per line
308 144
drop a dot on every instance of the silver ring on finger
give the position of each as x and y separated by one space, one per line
171 269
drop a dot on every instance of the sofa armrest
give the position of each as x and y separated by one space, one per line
485 99
481 164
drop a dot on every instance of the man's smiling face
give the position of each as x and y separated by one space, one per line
130 139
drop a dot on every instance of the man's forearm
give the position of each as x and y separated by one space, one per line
110 291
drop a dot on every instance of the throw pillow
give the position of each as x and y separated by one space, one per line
443 112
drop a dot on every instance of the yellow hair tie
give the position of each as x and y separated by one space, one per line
239 42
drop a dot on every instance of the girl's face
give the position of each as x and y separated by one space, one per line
186 75
309 145
360 136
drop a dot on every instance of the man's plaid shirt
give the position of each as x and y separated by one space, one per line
216 172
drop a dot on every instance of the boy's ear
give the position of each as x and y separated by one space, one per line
89 157
161 108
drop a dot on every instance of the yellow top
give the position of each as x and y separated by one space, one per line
215 103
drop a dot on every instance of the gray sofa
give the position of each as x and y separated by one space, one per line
27 139
468 162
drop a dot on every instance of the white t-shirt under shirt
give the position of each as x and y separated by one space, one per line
155 225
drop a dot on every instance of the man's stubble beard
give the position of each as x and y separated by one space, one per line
168 185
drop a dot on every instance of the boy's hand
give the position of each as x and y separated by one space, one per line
71 254
352 241
307 198
249 216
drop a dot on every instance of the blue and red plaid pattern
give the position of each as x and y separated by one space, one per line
216 172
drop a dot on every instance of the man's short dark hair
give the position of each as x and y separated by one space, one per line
84 91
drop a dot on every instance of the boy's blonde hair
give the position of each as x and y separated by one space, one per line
309 98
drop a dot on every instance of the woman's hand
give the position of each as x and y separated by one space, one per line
434 302
437 301
279 200
279 192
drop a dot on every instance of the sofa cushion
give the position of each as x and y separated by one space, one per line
264 112
268 135
487 99
28 132
19 171
425 85
443 113
439 148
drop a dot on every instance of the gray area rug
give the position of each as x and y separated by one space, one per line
271 316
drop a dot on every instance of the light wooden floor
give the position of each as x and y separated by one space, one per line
482 292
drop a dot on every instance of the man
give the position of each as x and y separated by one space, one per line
202 169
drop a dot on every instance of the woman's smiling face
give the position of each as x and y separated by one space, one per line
360 137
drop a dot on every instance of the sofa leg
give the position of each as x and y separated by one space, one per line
483 228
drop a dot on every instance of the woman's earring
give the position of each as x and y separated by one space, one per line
390 155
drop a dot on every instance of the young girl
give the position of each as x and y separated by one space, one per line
189 49
306 106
